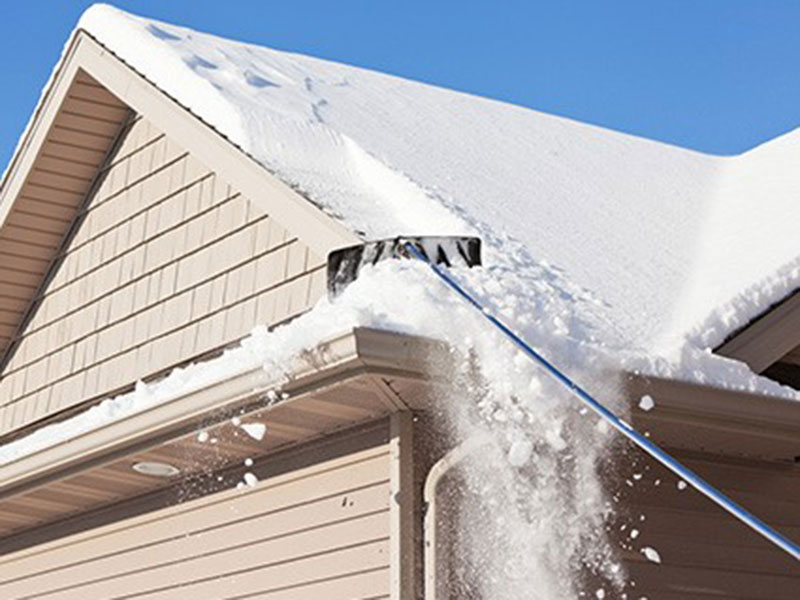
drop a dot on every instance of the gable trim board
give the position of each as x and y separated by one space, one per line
768 338
252 179
319 231
87 60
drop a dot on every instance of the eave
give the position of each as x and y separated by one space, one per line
711 419
348 381
353 379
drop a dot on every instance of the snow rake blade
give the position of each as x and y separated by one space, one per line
345 264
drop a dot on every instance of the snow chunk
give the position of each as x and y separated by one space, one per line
250 480
254 430
520 453
647 403
651 554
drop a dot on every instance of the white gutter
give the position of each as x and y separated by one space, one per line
351 353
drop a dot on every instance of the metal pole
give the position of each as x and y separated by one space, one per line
642 442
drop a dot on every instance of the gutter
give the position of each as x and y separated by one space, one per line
355 353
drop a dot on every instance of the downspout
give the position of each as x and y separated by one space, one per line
435 474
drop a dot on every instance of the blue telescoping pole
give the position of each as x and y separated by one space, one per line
625 429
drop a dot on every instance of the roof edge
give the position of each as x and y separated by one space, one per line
255 181
334 361
767 337
706 418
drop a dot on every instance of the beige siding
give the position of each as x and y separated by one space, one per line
316 532
168 263
73 148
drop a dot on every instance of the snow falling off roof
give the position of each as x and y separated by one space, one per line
678 245
597 243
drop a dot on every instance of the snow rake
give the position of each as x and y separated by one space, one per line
702 486
345 264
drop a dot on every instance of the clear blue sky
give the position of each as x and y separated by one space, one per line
716 75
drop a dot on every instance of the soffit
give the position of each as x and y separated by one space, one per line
338 386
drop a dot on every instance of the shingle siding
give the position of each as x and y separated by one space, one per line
168 263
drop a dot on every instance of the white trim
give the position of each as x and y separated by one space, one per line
294 212
402 508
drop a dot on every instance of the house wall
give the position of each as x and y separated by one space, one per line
167 263
39 197
321 529
704 551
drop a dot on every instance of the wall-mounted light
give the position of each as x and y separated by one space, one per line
156 469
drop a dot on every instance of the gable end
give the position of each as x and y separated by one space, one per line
160 216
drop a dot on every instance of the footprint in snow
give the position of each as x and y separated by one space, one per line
257 81
195 61
161 34
316 108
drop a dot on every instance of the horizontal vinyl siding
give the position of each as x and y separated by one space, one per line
167 263
319 532
705 552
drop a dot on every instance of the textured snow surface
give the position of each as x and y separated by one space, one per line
680 246
600 249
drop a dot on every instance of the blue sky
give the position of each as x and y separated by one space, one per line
719 76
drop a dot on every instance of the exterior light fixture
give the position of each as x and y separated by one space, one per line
156 469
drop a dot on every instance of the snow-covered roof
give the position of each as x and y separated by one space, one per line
674 243
598 244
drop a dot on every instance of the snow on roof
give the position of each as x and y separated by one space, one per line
598 244
674 242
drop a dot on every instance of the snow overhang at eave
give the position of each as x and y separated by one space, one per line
350 380
355 378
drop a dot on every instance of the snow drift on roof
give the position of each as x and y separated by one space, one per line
678 245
